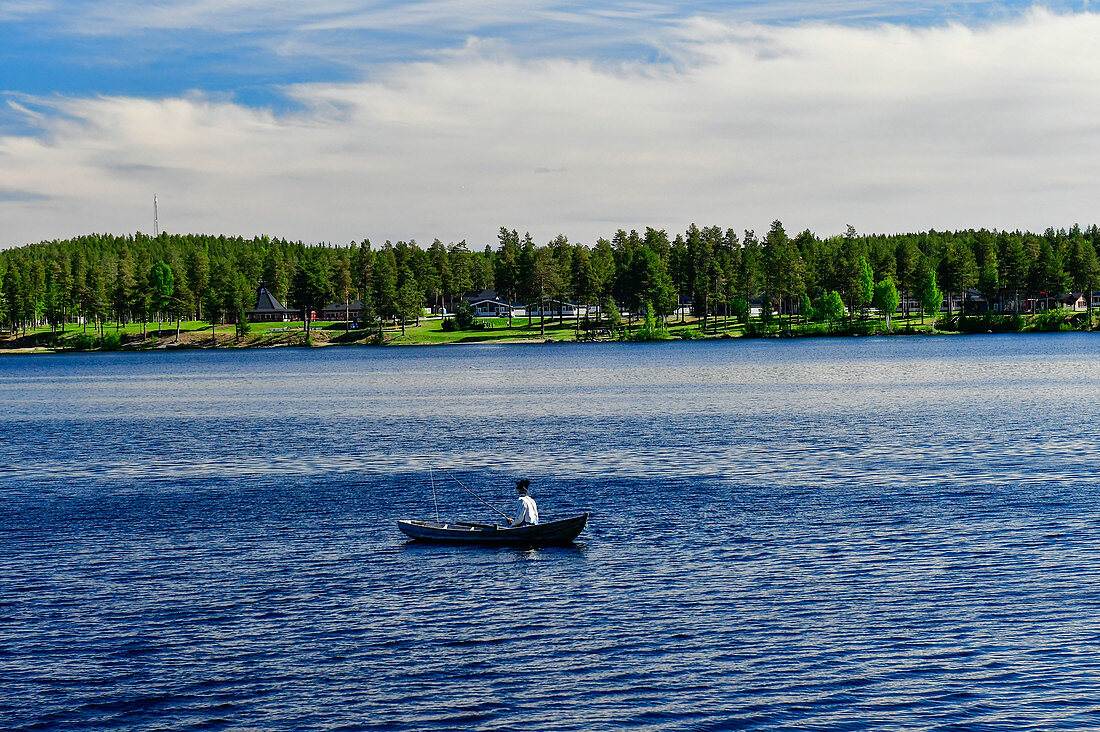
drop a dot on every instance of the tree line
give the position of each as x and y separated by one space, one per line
713 271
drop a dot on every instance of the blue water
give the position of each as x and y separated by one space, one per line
834 534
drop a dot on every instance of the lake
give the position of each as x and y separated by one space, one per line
860 533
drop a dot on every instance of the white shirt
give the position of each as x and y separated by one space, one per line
526 511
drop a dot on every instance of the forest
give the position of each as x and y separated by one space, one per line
102 278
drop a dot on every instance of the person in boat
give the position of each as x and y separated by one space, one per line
527 512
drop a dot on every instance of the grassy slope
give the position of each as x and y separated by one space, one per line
196 334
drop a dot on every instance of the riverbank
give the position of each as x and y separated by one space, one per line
199 335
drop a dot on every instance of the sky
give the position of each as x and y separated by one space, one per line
339 120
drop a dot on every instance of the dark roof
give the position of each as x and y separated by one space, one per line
267 302
489 294
353 305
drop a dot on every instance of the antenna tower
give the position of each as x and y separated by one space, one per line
156 222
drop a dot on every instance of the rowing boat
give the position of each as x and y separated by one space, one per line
551 533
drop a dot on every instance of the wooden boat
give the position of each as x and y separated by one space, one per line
552 533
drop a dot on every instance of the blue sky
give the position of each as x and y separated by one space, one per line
249 49
338 119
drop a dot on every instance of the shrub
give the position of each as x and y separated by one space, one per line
112 342
653 329
739 308
83 342
863 327
1052 321
464 316
815 329
806 309
829 307
761 329
982 323
449 325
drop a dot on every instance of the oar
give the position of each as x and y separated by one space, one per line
456 480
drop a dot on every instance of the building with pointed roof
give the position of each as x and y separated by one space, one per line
269 310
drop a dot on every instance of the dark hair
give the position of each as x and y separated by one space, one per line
522 485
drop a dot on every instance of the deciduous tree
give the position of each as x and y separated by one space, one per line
930 295
886 299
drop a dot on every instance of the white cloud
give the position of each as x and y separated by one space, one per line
119 17
295 22
887 127
15 10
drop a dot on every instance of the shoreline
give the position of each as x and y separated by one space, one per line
166 343
198 335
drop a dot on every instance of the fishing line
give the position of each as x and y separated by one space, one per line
434 499
456 480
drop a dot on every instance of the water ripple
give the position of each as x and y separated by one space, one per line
826 535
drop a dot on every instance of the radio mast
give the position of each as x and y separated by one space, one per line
156 222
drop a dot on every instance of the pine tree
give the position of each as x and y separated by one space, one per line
198 275
410 299
341 281
310 288
384 286
161 285
506 268
1084 269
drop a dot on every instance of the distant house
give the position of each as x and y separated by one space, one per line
487 294
970 301
497 309
269 310
488 303
1042 302
684 308
756 307
555 308
339 311
909 303
1073 301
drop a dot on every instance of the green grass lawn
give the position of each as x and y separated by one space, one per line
429 331
129 336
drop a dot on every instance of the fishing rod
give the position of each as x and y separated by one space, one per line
456 480
434 499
